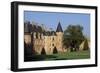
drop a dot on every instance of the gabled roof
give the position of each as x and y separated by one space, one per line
59 28
49 33
28 27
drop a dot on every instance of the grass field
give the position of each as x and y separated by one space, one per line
69 55
61 56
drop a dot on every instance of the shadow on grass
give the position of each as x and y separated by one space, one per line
38 57
60 59
64 56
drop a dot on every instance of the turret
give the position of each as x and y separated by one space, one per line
59 28
59 33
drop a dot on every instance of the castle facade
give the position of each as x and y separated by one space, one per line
41 41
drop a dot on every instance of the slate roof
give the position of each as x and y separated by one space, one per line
59 28
49 33
36 28
28 28
32 28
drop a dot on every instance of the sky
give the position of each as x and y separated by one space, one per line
51 19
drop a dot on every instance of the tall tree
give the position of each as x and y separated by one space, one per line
73 36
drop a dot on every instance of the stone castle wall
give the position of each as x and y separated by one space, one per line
48 43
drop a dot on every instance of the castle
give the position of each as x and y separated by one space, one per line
42 41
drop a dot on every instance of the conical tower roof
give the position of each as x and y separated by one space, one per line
59 28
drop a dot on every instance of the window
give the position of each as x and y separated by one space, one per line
53 38
40 36
52 44
36 35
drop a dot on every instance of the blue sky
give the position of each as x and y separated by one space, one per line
51 19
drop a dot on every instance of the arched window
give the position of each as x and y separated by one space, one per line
36 35
53 38
40 36
52 44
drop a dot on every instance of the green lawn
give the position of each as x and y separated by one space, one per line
60 56
69 55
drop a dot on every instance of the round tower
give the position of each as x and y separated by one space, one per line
59 33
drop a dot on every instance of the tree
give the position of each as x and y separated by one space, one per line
73 36
43 51
86 45
55 50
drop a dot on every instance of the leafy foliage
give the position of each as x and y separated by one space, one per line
73 36
86 47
